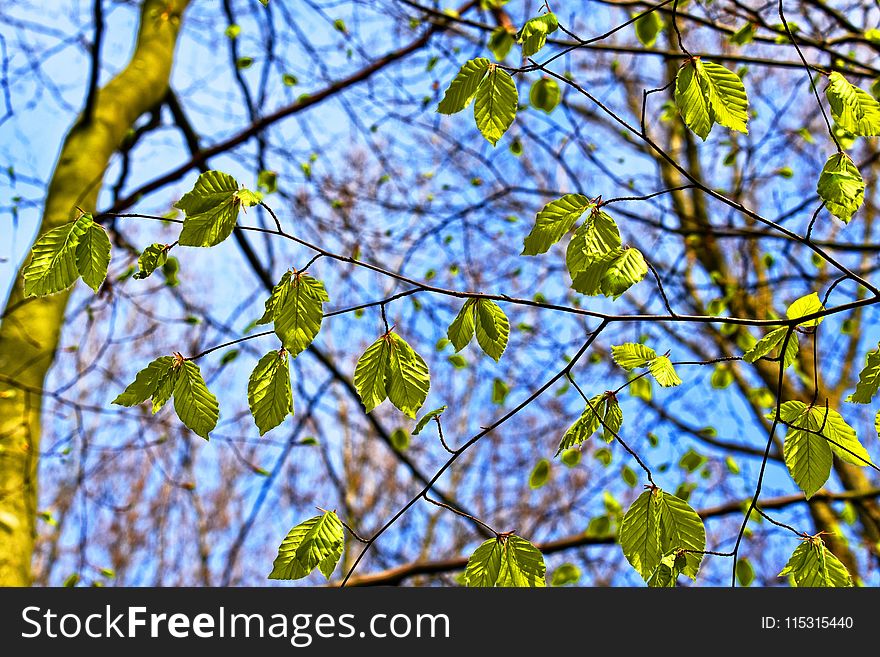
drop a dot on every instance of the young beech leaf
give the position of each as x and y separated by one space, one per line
545 94
869 379
93 255
194 404
276 298
806 305
632 355
813 565
492 328
726 95
427 417
854 109
298 312
540 474
611 274
153 257
463 87
495 104
553 221
314 543
640 533
369 374
210 208
533 35
507 561
269 392
772 342
647 28
841 187
682 529
593 239
146 382
53 265
461 331
663 371
692 104
407 375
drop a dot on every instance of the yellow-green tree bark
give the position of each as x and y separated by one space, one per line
30 328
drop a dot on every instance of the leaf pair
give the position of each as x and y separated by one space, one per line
314 543
816 434
175 376
493 92
603 411
506 561
707 93
661 531
485 318
211 209
391 369
813 565
632 355
63 254
296 307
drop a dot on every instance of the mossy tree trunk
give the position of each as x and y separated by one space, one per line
30 329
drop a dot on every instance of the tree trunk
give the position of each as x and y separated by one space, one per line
30 329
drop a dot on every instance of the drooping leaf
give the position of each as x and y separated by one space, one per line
298 313
624 271
495 104
773 342
407 375
594 239
314 543
841 187
492 328
194 404
604 411
663 371
369 374
813 565
640 533
726 95
210 208
808 455
427 417
691 102
545 94
53 259
852 107
153 257
506 561
461 331
146 382
682 529
270 396
464 86
533 34
553 221
276 299
869 379
93 255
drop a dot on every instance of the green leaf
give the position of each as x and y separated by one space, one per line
463 87
165 389
269 392
298 313
852 107
813 565
276 299
808 455
647 27
506 561
566 573
500 42
611 274
632 355
408 376
663 371
806 305
691 102
869 379
545 94
369 374
681 529
553 221
146 382
427 417
461 331
533 35
640 533
540 474
726 95
841 187
93 255
153 257
492 328
745 573
604 411
211 210
668 570
495 104
314 543
595 238
53 259
773 342
194 404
